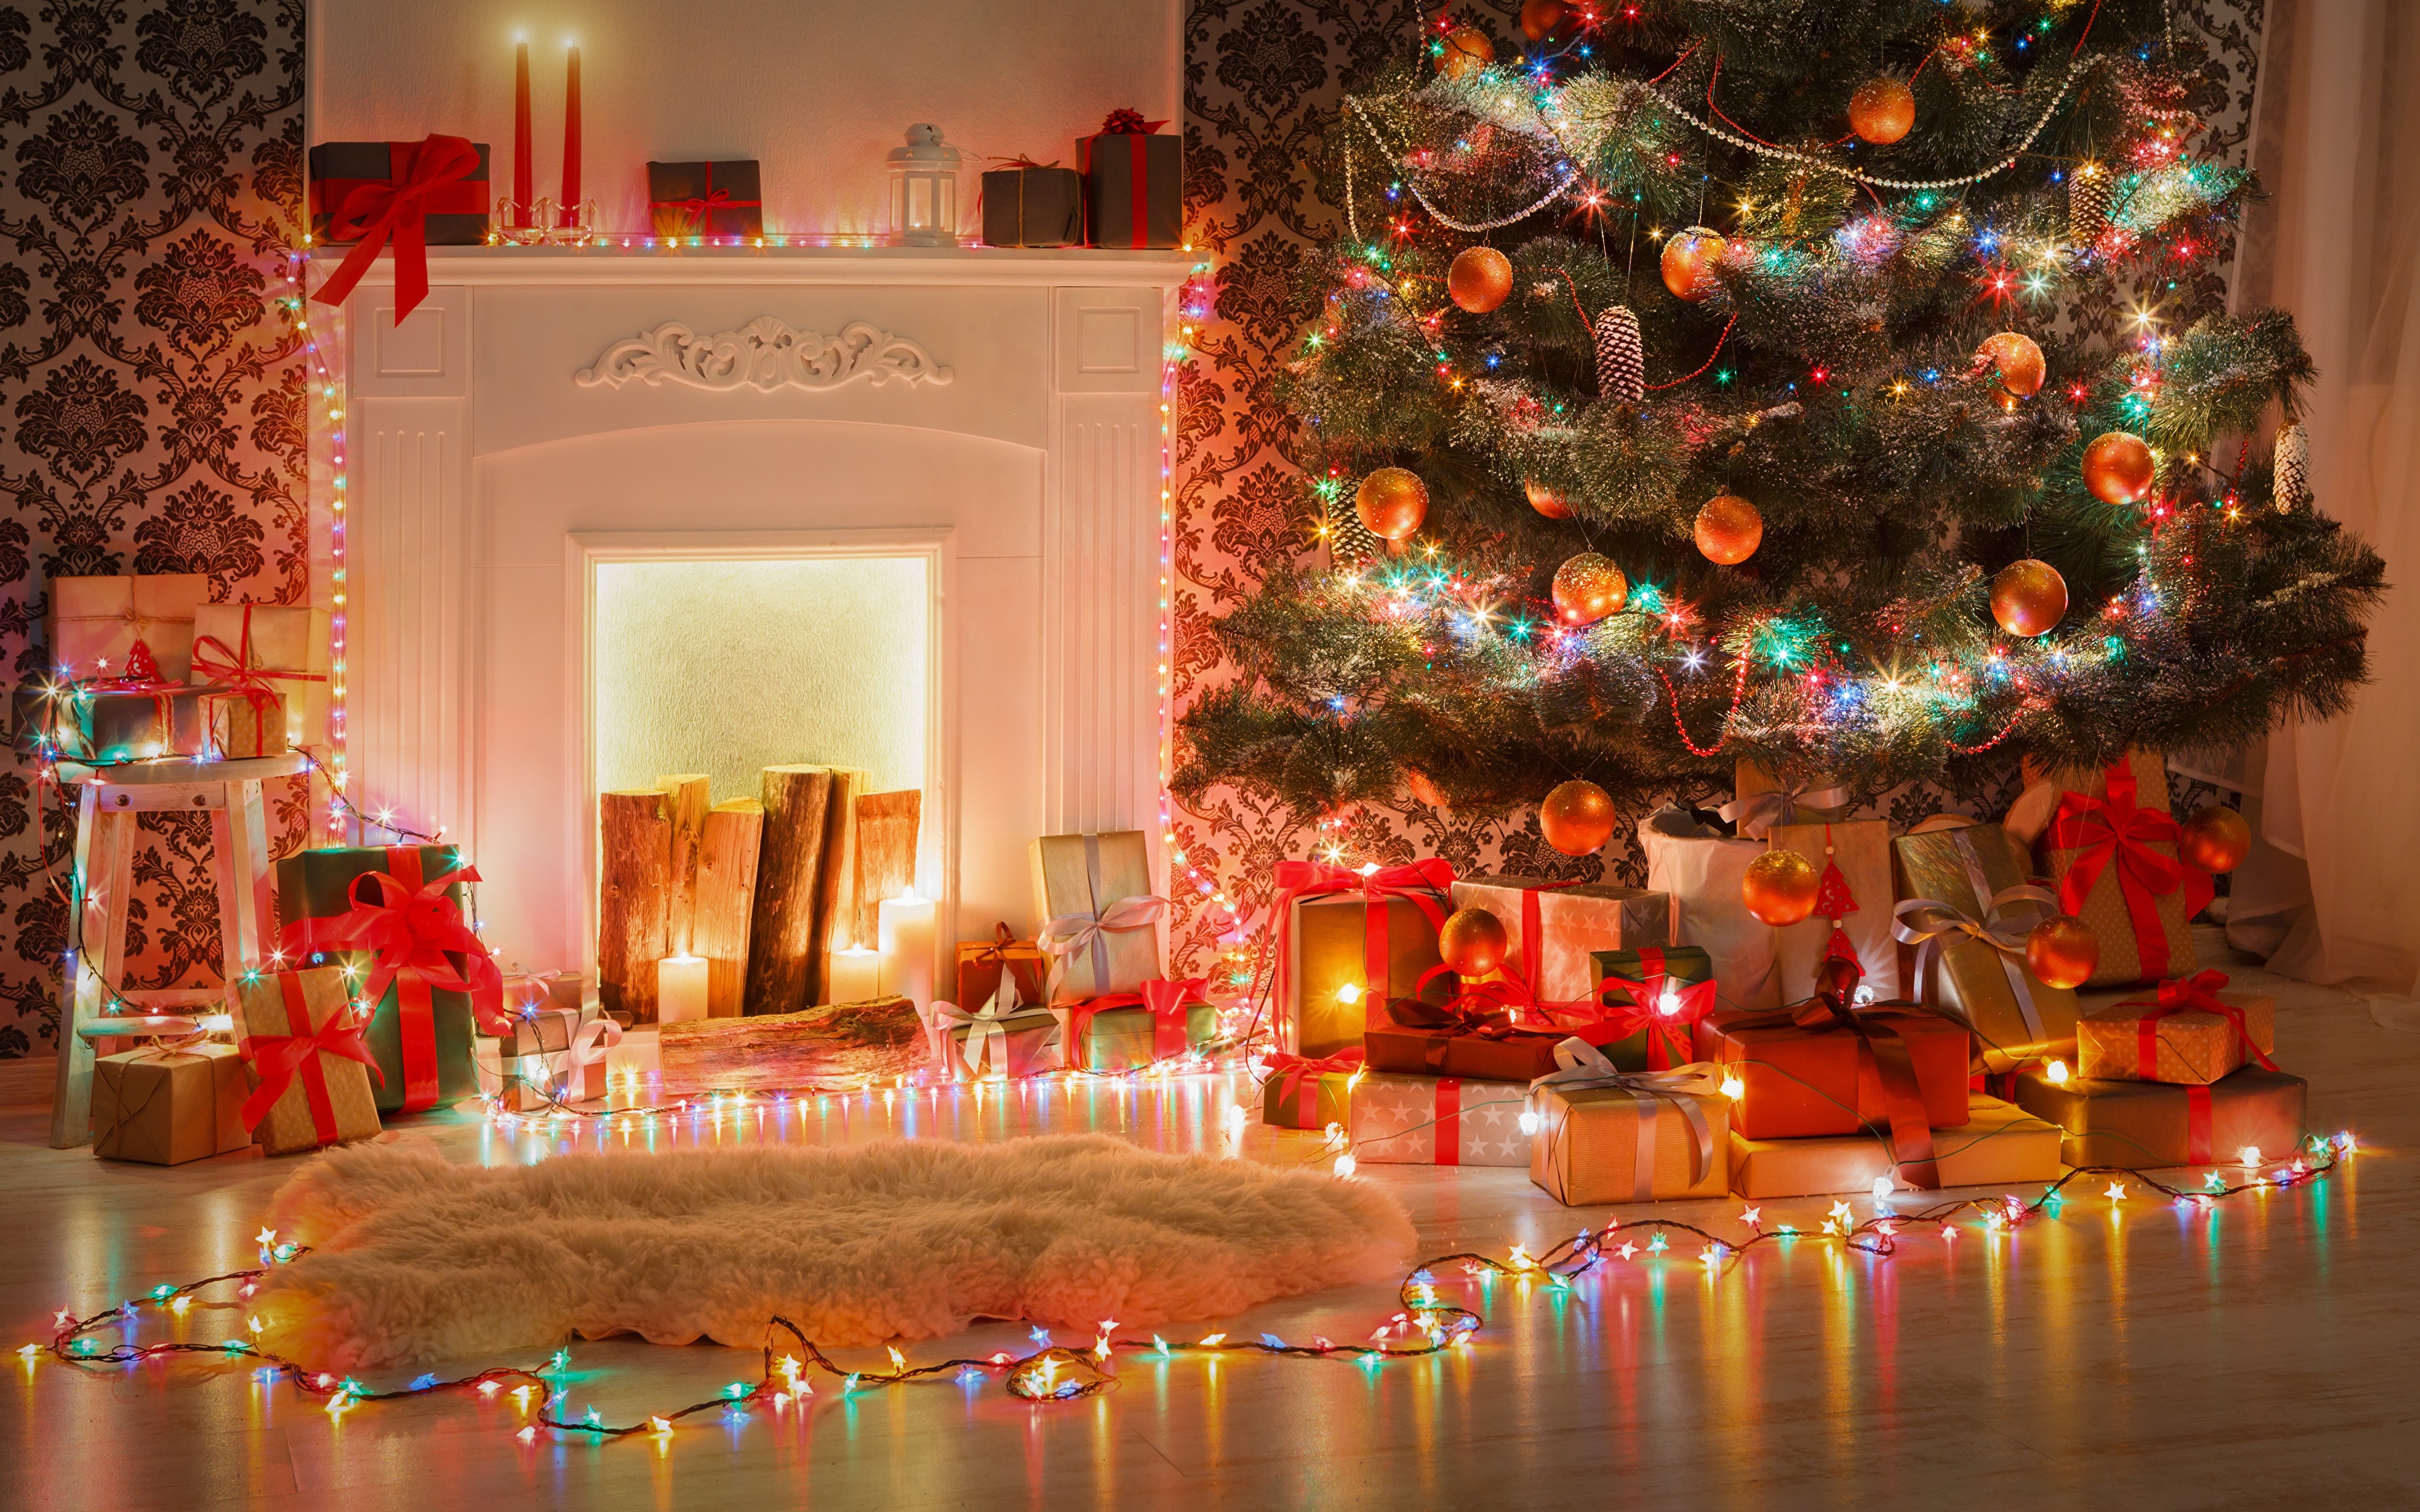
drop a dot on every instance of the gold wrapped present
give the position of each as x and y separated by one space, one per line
1160 1020
165 1107
1350 943
1609 1135
2111 852
310 1071
1967 909
243 722
2190 1034
1101 916
1999 1144
280 648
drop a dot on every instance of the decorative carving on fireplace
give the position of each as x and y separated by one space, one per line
766 353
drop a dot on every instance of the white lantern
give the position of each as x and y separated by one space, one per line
924 190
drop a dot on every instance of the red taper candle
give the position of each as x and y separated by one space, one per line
522 174
569 214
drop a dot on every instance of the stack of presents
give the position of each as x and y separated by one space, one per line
1646 1044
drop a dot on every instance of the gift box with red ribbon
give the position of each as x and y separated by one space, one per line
2189 1032
706 199
309 1069
1551 929
1477 1039
1030 204
1350 942
1658 993
95 623
1309 1092
1134 183
1159 1020
2138 1124
2111 852
259 650
1997 1145
415 196
392 917
1437 1120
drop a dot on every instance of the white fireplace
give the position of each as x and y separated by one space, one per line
902 509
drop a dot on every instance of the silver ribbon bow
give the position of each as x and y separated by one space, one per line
2008 915
1755 815
1582 1066
986 1042
1064 937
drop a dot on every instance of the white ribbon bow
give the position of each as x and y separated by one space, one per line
1062 937
986 1036
1755 815
1582 1065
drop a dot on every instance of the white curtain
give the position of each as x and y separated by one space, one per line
2333 888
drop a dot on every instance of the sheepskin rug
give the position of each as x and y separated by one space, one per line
417 1259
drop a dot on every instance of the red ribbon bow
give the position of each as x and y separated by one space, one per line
414 934
2182 995
695 210
1426 885
2116 828
1165 1001
1667 1032
234 668
1127 121
278 1059
1297 1078
1834 1009
423 179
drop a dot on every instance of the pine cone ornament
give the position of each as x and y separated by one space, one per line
1348 539
2088 192
2293 480
1621 360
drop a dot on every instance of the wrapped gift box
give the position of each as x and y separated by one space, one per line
1033 207
1674 988
1799 1082
457 211
1634 1140
241 724
706 199
2019 1020
424 1053
2115 826
525 990
165 1107
982 963
1701 868
551 1050
1437 1120
94 622
1765 798
1121 1033
1102 918
1488 1054
280 647
1997 1145
1328 994
1134 187
2151 1039
103 723
1861 893
1572 922
999 1040
1303 1092
309 1070
2161 1123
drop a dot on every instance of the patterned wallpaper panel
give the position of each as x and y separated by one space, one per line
151 401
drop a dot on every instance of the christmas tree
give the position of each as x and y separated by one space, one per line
1702 379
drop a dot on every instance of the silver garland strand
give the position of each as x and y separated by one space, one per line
1620 358
2293 477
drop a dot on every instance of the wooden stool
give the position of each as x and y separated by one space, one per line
229 792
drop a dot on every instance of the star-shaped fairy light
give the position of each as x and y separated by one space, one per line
1750 1215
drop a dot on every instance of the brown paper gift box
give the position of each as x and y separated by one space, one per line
1861 848
1082 877
1521 1055
1997 1145
2160 1123
2193 1047
2104 908
241 725
1438 1121
165 1107
288 644
261 1014
982 961
1573 923
1587 1146
1801 1082
1325 942
97 620
1967 974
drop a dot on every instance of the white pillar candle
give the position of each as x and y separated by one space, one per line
680 988
856 975
904 932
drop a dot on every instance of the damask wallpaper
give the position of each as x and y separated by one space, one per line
151 401
1262 82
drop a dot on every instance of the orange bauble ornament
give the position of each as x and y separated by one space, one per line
2028 596
1779 887
2117 467
1689 261
1467 51
1728 529
1588 588
2062 951
2019 361
1547 502
1480 280
1391 503
1542 18
1576 818
2215 839
1472 942
1882 110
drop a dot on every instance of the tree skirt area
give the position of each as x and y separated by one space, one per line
417 1259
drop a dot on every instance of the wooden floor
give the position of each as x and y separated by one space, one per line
2264 1356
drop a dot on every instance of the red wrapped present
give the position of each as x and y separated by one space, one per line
1351 942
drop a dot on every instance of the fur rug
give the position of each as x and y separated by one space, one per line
418 1259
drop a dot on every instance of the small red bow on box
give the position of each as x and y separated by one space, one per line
1127 121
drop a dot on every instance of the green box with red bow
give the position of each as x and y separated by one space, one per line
391 916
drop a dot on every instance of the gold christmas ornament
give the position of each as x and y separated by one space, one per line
1546 501
1467 51
2117 467
1728 529
1882 110
2062 951
1391 503
1472 942
1689 261
1576 818
1542 18
2019 361
2028 596
1589 587
2215 839
1779 887
1480 280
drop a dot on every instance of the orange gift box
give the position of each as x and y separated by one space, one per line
1810 1071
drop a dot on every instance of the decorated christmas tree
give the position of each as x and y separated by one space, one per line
1704 379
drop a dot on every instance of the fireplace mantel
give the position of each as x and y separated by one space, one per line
1004 411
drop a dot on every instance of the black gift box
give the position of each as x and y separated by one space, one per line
706 199
1033 208
1134 190
458 218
